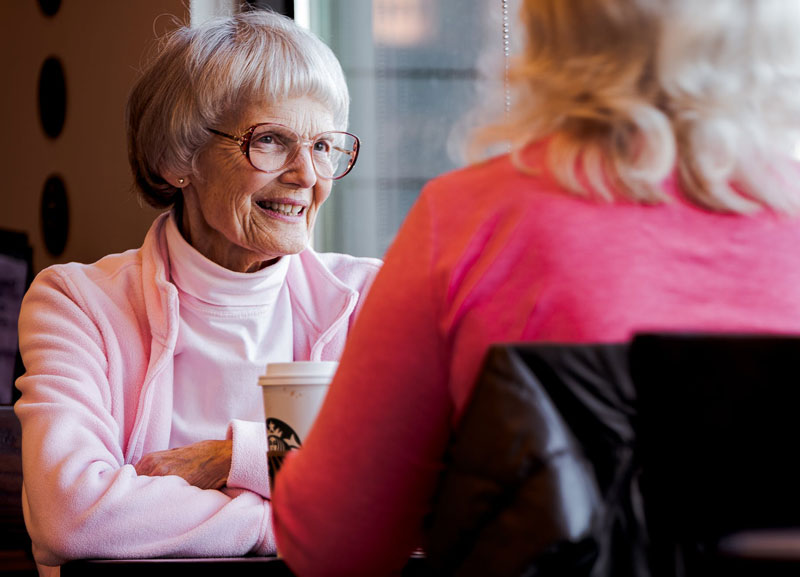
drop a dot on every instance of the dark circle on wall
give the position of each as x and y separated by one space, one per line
55 215
52 97
49 7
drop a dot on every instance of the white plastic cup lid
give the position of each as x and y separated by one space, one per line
298 373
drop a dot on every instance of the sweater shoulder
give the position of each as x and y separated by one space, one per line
354 271
110 274
491 185
473 175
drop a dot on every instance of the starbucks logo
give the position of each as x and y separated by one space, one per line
281 437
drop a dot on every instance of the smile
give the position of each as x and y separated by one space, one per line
282 208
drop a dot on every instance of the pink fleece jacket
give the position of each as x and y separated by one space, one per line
97 342
489 255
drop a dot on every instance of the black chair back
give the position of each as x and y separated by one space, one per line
15 546
16 273
718 436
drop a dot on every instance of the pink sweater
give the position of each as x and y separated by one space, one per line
488 255
98 342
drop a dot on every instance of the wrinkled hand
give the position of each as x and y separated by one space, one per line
205 464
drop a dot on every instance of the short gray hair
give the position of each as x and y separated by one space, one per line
201 75
627 90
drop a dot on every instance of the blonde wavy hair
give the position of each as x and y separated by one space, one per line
626 91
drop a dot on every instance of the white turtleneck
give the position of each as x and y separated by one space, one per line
231 325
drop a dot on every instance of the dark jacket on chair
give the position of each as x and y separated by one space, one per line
540 476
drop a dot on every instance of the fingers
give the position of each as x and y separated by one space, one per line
145 465
155 465
205 464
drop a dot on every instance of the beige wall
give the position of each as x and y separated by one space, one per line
101 44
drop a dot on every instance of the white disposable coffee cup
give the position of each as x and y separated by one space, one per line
293 394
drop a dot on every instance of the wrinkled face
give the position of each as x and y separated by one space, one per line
244 219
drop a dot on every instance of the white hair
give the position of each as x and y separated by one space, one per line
205 74
625 91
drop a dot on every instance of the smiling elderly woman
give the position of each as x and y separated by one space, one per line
140 389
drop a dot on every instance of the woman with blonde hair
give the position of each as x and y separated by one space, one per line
651 185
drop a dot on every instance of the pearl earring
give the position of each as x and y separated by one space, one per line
181 180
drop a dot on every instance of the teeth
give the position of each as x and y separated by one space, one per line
285 209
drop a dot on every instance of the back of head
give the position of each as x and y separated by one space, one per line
628 90
204 74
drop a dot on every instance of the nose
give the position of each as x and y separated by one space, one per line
300 171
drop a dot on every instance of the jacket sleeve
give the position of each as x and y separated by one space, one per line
352 500
249 459
81 499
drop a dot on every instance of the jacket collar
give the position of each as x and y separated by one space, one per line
160 295
321 303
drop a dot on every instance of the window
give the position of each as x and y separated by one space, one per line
415 68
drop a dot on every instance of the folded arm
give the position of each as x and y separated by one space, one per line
82 499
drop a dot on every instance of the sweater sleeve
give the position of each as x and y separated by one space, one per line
81 499
352 500
249 459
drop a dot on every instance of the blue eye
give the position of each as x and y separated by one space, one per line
322 146
269 141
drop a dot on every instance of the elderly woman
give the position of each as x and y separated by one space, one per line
651 185
140 392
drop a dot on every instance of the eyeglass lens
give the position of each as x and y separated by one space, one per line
273 146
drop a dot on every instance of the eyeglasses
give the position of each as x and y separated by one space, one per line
272 147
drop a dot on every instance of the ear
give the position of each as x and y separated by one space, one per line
177 181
